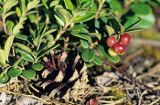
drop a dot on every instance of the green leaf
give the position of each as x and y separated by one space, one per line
86 3
132 22
133 30
1 10
8 45
49 32
97 60
49 37
37 66
18 11
33 4
54 3
84 15
32 18
36 41
103 53
10 25
13 72
97 24
147 21
59 20
23 37
84 43
68 4
9 4
63 14
18 26
109 30
80 28
116 6
104 19
88 55
9 13
4 78
46 50
26 56
23 47
141 9
44 2
116 25
23 5
29 74
2 57
82 36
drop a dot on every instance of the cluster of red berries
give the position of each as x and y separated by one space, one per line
118 47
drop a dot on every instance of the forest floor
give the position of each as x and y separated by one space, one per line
134 81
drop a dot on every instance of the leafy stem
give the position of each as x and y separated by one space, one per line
62 31
4 23
99 9
18 61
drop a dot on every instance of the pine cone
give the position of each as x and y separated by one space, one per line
65 76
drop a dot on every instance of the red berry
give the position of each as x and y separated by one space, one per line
111 41
125 39
119 48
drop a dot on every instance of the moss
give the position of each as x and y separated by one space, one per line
118 93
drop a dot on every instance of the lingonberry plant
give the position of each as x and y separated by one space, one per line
40 38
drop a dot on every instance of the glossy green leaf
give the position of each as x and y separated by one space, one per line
141 9
13 72
116 6
1 10
23 37
132 22
68 4
97 60
104 19
23 47
2 57
9 4
82 36
8 45
10 25
36 41
26 56
97 24
29 74
19 26
59 20
83 15
80 28
86 3
18 11
84 43
33 4
44 2
54 3
109 30
46 50
103 53
4 78
37 66
32 18
63 14
88 55
147 21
